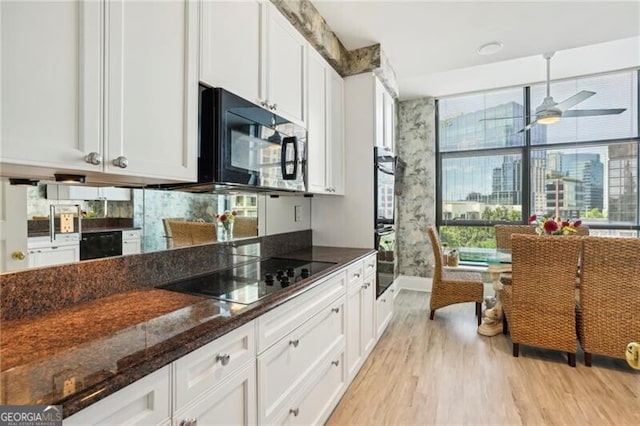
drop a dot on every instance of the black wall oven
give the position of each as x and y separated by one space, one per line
243 144
95 245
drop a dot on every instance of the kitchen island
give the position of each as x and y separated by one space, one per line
79 355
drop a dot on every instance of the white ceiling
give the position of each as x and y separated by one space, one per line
433 45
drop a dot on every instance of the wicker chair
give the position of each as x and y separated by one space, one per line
504 232
203 232
582 230
450 287
244 226
180 233
540 304
168 234
609 296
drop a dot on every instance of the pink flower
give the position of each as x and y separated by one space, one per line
532 218
550 226
222 218
577 223
565 223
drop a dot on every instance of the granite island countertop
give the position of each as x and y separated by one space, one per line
108 343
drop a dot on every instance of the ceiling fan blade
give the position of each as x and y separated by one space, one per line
574 100
592 112
501 118
529 126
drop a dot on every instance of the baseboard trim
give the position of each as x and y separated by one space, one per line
407 282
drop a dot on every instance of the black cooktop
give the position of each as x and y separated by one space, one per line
250 282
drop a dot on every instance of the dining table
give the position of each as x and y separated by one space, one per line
497 263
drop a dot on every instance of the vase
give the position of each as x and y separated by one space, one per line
227 231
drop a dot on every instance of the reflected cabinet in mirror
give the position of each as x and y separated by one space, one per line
95 222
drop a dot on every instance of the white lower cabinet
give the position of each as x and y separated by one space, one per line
145 402
284 368
384 309
131 242
42 252
233 402
320 394
289 366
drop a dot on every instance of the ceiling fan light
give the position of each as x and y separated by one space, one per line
549 120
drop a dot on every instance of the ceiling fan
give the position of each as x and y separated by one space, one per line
550 111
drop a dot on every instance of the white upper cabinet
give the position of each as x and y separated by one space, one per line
51 87
385 117
230 46
152 89
284 59
99 86
325 153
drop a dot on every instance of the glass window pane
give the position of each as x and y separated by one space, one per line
598 184
461 128
482 187
618 90
468 236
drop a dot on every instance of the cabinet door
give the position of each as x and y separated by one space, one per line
145 402
230 46
354 327
285 62
152 89
335 135
316 123
369 328
131 246
384 309
389 120
55 255
231 403
51 88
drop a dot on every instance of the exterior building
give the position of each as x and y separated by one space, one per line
565 196
623 183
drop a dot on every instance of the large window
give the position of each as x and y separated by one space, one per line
584 167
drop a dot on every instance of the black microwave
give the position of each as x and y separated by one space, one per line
242 144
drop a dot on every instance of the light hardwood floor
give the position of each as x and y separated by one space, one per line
443 372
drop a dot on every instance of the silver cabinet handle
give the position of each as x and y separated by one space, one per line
189 422
93 158
264 104
294 412
294 343
366 285
336 310
273 107
121 162
384 300
336 362
357 275
223 358
371 265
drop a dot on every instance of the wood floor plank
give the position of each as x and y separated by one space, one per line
442 372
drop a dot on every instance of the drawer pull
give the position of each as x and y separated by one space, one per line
295 344
336 310
189 422
370 265
356 274
366 285
224 359
336 362
384 300
294 412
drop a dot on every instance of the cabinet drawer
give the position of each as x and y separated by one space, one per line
355 272
370 263
279 322
131 235
283 367
205 367
233 402
145 402
384 310
320 394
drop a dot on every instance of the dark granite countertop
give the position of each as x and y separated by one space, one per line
108 343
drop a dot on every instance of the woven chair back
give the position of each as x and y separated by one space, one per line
202 232
244 226
180 233
582 230
543 290
437 252
504 232
609 295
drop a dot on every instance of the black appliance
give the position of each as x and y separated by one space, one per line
242 144
250 282
384 187
385 242
95 245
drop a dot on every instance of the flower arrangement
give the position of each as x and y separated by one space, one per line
226 218
550 226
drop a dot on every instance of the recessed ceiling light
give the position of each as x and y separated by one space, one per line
490 48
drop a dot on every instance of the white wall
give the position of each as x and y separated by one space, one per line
280 214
